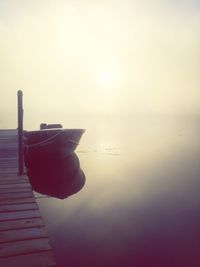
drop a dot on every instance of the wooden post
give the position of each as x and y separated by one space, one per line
20 133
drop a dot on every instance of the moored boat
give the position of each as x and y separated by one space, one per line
52 166
52 142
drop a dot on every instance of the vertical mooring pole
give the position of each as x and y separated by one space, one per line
20 133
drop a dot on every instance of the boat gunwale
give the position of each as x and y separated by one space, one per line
49 140
56 130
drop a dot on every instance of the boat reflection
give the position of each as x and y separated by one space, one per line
60 179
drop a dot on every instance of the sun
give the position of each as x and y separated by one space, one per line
106 79
106 76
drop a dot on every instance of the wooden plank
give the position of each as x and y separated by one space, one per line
14 190
5 216
7 162
18 207
7 155
13 175
12 169
22 234
22 185
24 247
13 178
17 201
10 144
9 165
41 259
18 195
20 224
8 159
5 168
14 181
9 168
2 170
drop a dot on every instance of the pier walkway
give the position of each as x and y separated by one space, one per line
23 238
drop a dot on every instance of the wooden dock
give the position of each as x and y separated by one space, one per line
23 238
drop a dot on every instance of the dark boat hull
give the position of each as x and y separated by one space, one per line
52 166
52 143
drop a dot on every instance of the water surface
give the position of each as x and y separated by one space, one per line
140 204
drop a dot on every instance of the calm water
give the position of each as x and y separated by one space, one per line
140 204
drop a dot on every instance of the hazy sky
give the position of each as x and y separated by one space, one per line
88 57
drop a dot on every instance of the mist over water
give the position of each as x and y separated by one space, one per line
140 203
127 72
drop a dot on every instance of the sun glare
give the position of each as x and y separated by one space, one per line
107 79
106 76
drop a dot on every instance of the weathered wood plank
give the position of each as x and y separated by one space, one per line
41 259
22 234
5 216
6 162
18 195
24 247
14 175
14 190
10 186
7 159
14 182
5 167
18 207
17 201
8 165
23 239
20 224
2 171
11 169
13 178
